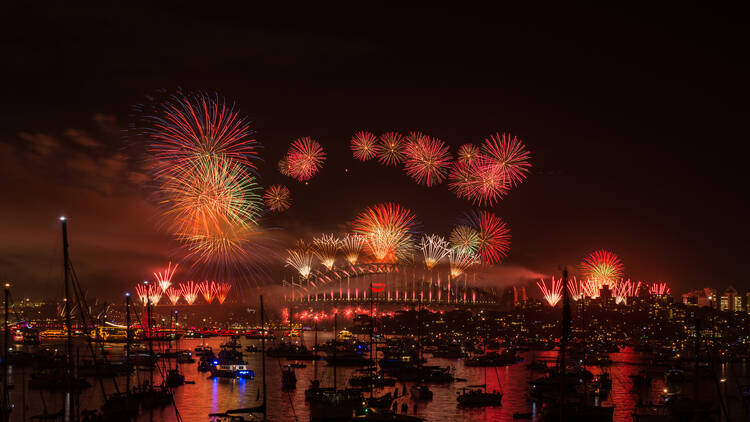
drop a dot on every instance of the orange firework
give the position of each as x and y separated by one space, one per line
602 266
391 149
189 292
427 159
305 157
278 198
388 230
553 293
364 145
221 290
207 291
164 278
467 153
173 295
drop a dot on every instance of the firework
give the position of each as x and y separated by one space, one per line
326 248
464 238
509 156
352 245
221 290
467 153
624 289
189 292
301 260
305 157
173 295
153 294
494 235
284 167
602 266
659 289
434 248
427 159
391 149
142 291
278 198
207 291
364 145
574 289
460 260
388 230
479 182
185 127
164 279
553 293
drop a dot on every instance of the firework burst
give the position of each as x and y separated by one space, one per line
164 278
465 238
427 159
221 291
207 289
467 153
391 149
460 260
352 245
278 198
494 235
305 157
189 291
283 165
434 248
625 289
553 293
509 156
301 260
388 230
173 295
142 291
478 182
602 266
326 247
659 289
364 145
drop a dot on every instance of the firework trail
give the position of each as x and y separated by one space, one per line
185 127
305 157
301 260
189 292
207 291
352 245
553 293
574 289
659 289
277 198
326 247
164 279
460 260
434 248
391 149
142 291
467 153
221 291
602 266
494 235
173 295
388 230
364 145
625 289
427 159
509 156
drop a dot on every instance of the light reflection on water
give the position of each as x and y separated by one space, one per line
196 401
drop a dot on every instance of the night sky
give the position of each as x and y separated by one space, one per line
635 120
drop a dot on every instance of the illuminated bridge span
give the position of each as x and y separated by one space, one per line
386 283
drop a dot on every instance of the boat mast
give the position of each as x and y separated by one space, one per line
150 335
564 340
372 329
263 353
127 342
6 398
335 346
68 325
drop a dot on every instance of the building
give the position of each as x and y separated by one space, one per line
701 297
731 301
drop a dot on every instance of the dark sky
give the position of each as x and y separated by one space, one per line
635 120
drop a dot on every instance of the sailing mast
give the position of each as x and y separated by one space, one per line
263 353
564 340
6 397
68 325
127 342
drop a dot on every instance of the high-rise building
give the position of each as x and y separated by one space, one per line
730 300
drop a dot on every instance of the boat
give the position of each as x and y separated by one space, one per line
338 405
469 397
174 378
383 415
421 392
288 379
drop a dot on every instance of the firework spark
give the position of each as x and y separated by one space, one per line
494 235
509 156
142 291
659 289
277 198
391 149
388 230
301 260
434 248
427 159
352 245
173 295
479 182
164 278
326 248
189 292
553 293
467 153
465 238
207 289
625 289
602 266
460 260
221 290
284 167
305 157
364 145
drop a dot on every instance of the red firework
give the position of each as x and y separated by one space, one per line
388 230
391 149
427 159
207 291
284 167
305 157
189 126
659 289
189 291
494 235
467 153
173 295
509 156
602 266
221 290
277 198
364 145
553 293
483 185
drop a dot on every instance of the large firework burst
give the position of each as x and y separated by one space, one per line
427 159
277 198
388 230
479 182
391 149
305 157
508 155
602 266
364 145
465 238
434 248
494 235
326 247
